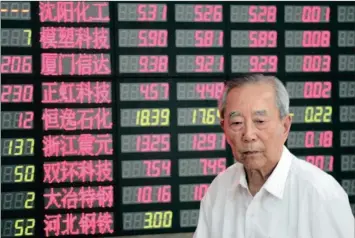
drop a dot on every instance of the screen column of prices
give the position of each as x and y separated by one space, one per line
306 66
346 95
77 118
145 117
18 159
201 145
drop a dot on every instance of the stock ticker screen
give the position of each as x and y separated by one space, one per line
109 116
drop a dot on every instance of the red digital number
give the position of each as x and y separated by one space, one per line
320 161
17 93
154 168
263 38
151 91
153 143
317 89
207 38
316 39
25 120
149 12
214 165
206 141
264 63
209 90
200 191
325 139
205 63
153 38
153 63
145 194
262 13
16 64
208 13
314 14
316 63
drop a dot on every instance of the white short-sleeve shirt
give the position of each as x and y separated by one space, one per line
298 200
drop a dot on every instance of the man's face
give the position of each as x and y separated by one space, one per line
253 126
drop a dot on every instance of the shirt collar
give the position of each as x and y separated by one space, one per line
275 184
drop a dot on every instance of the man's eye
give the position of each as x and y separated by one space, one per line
236 123
260 121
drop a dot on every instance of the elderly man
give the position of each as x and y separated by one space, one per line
268 193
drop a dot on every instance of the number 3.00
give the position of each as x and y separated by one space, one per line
158 219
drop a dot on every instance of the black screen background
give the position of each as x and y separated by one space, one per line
334 76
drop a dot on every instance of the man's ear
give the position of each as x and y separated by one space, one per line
222 124
287 121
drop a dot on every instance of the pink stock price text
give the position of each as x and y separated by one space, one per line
154 168
11 120
263 39
153 38
154 63
209 90
152 194
207 141
205 38
16 64
198 13
16 93
317 89
147 143
149 12
316 39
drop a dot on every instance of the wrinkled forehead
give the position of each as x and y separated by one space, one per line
253 99
253 93
237 113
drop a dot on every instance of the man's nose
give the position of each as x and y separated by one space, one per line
249 132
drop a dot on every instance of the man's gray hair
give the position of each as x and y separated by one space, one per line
282 97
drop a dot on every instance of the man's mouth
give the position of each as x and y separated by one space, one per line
250 152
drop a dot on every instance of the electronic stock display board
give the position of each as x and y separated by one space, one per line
109 115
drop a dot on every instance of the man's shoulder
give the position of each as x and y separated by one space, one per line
229 175
226 179
311 177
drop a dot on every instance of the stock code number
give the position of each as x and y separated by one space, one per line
16 64
17 173
16 93
18 227
17 146
11 120
17 200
